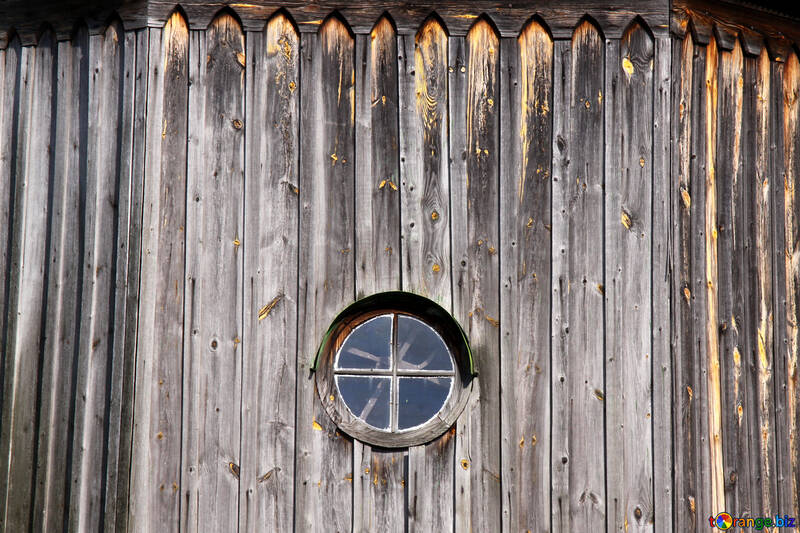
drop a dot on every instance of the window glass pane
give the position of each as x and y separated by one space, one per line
368 346
367 397
420 399
419 347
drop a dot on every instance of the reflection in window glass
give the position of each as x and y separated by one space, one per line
367 397
420 399
368 346
419 347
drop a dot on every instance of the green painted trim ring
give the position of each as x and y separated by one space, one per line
389 299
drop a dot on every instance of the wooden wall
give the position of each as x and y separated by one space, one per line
188 209
735 291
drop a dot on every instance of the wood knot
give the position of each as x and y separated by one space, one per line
637 513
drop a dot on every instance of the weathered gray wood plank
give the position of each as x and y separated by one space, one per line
699 354
98 278
577 458
55 431
324 456
735 314
378 478
8 138
132 254
212 360
423 163
270 247
425 243
476 299
738 295
686 192
787 293
628 247
526 133
665 196
713 322
459 242
27 284
120 391
156 445
762 291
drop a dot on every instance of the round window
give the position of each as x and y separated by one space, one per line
394 370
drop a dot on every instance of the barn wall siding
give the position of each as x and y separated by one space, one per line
608 211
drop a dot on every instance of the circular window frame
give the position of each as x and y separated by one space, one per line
396 303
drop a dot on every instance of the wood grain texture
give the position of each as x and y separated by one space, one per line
106 53
735 315
712 322
789 279
62 290
132 160
379 485
685 291
666 196
270 336
699 163
578 389
324 456
758 28
423 164
780 272
424 115
763 433
156 445
476 301
526 97
212 351
628 245
27 281
8 138
561 17
119 392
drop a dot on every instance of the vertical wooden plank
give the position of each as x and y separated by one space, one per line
99 260
762 295
628 246
476 300
685 294
132 254
214 232
716 474
423 163
26 284
9 103
378 479
425 230
789 440
735 315
155 470
579 498
782 109
323 482
737 269
117 468
526 85
663 277
270 247
55 431
699 355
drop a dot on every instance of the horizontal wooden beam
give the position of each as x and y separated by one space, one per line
27 19
727 21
